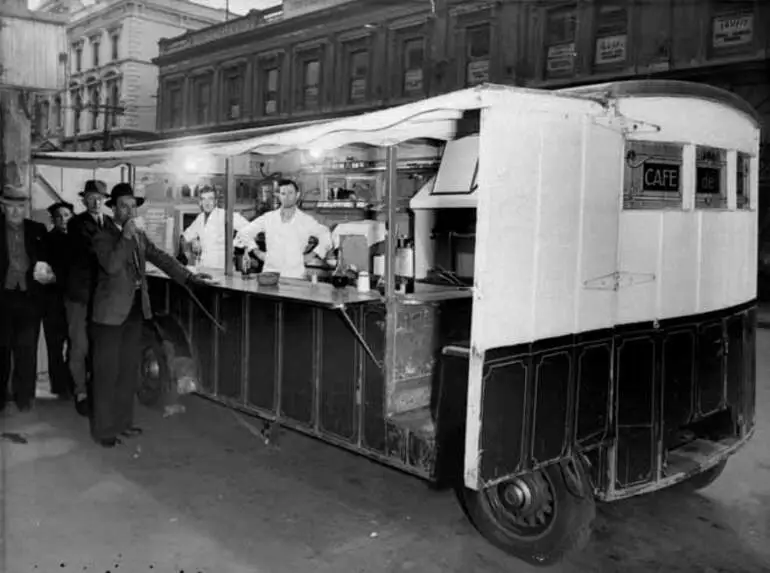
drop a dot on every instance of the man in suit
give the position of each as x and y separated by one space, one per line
22 271
120 306
81 281
55 317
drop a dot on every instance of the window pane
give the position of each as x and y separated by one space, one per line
742 181
312 76
413 54
560 26
652 175
478 42
710 187
270 93
359 68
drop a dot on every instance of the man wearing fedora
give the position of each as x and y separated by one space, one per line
22 272
55 318
120 306
81 281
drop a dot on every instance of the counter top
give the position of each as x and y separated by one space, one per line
322 294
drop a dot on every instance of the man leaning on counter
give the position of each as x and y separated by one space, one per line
288 231
206 235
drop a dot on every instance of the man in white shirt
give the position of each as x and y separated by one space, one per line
207 232
287 232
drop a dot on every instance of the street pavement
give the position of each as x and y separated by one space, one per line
202 492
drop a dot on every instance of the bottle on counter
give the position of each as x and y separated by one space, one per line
245 265
364 283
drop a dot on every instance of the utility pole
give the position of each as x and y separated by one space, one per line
26 67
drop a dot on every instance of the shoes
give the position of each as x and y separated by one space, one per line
109 442
81 405
132 432
24 407
63 396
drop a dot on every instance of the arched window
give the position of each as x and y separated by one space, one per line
114 101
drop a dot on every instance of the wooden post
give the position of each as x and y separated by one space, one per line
229 209
15 137
391 304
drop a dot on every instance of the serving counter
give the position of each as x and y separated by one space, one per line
321 359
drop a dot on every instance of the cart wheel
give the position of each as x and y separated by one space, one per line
705 479
536 517
154 370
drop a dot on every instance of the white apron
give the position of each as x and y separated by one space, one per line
286 244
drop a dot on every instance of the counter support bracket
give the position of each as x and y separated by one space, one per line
359 336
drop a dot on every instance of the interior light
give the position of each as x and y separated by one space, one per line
316 153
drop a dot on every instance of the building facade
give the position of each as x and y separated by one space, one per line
109 90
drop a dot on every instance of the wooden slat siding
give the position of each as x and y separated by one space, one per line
29 53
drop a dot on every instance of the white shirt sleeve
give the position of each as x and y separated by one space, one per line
321 232
194 230
248 233
239 221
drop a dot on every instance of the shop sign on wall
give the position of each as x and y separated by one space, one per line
478 72
610 49
733 30
561 58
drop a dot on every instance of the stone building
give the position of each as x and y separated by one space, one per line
109 90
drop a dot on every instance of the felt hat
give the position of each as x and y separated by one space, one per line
59 204
123 190
13 195
94 186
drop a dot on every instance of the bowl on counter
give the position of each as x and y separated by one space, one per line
268 279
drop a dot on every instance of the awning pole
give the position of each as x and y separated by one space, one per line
229 208
391 304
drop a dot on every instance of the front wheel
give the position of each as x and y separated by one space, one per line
537 517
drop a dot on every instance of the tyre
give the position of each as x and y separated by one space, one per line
705 479
537 517
154 373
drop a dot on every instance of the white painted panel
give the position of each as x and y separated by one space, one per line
691 120
557 227
598 252
678 275
718 255
639 244
29 53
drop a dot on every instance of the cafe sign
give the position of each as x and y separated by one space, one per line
610 49
660 177
733 30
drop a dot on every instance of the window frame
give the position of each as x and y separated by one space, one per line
743 181
229 73
78 49
115 45
198 80
609 31
94 100
564 48
303 57
402 33
665 154
710 158
468 59
96 42
265 64
350 49
77 109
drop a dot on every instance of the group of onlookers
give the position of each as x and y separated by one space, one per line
84 281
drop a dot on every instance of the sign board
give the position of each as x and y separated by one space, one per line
708 180
159 228
413 81
610 49
478 72
733 30
660 177
561 59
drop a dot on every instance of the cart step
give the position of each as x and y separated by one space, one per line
691 457
418 421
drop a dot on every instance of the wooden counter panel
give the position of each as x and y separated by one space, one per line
231 355
297 361
204 338
373 391
262 353
339 375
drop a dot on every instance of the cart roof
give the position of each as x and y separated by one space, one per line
432 118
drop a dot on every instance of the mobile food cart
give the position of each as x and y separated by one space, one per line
605 349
